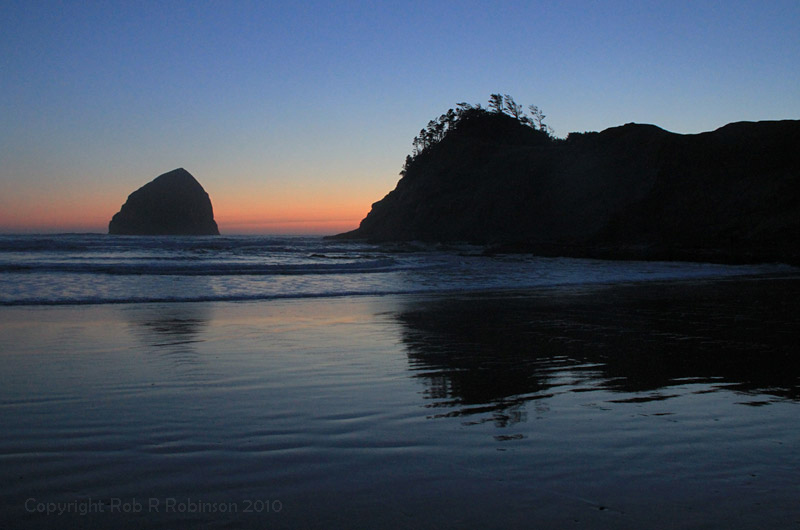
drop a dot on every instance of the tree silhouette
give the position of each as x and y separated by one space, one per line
496 103
538 117
513 108
450 119
438 129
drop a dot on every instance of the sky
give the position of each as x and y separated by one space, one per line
297 116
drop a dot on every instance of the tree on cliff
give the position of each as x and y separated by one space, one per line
437 129
538 120
496 103
514 109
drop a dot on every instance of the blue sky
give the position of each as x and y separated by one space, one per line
296 116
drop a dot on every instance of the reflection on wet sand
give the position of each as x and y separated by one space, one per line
170 329
479 354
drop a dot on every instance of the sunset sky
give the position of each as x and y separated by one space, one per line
297 116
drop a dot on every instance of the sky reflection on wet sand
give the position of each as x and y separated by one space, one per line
672 405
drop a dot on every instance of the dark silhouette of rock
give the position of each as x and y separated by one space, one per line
172 204
634 191
490 355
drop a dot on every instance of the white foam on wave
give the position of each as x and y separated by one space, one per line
130 270
183 267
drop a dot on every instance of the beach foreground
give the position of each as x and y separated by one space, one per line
639 405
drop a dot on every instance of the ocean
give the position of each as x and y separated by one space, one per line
101 269
297 382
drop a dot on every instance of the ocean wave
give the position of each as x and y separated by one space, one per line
214 298
101 242
171 267
118 270
328 290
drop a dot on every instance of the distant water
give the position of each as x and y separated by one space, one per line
89 269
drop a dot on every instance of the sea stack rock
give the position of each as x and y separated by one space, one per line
172 204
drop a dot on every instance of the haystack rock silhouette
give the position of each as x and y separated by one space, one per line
172 204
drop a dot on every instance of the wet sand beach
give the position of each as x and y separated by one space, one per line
669 404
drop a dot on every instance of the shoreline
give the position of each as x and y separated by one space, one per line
793 273
610 252
716 255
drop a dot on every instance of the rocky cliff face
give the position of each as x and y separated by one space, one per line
630 191
172 204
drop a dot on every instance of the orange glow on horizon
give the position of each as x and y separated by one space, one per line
287 221
312 212
52 216
287 227
226 226
289 210
232 218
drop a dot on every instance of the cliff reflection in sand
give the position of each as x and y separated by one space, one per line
480 355
170 329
